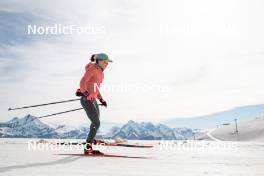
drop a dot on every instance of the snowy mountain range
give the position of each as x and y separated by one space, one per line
148 131
31 127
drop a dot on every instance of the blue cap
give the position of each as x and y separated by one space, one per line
102 56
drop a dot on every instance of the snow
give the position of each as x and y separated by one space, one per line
248 130
246 159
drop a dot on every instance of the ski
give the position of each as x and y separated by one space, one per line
129 145
106 144
104 155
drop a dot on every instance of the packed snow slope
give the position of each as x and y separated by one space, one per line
241 159
249 130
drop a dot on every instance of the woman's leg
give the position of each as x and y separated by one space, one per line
97 107
92 111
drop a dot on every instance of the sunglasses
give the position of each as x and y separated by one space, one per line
105 61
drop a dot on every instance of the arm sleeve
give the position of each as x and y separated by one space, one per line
99 96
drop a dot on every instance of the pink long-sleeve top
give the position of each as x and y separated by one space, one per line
92 79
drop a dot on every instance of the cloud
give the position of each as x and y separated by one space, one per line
208 60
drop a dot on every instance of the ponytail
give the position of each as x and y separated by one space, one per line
93 58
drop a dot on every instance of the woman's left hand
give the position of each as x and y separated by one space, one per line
103 102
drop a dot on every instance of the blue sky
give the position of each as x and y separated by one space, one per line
207 56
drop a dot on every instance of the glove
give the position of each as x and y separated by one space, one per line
78 93
103 102
91 97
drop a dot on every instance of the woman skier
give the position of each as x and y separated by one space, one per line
89 92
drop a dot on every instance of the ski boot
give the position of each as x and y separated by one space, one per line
88 150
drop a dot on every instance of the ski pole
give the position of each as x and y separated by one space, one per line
45 104
63 112
60 113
